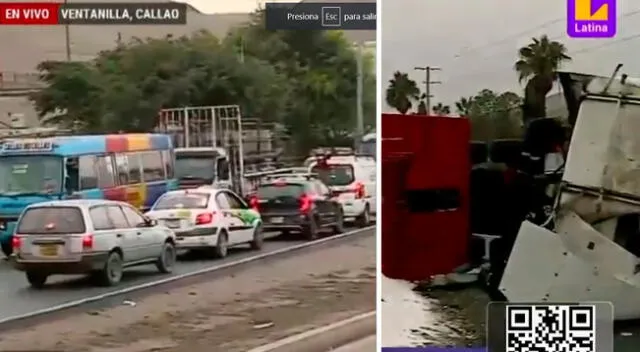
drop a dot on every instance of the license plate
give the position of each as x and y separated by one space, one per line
49 250
173 224
278 220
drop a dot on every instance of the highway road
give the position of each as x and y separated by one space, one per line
367 344
18 298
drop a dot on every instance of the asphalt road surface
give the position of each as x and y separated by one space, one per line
367 344
18 298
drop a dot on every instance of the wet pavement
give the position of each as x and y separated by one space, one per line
461 311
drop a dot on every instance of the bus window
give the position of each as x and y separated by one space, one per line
167 158
152 168
106 175
87 172
122 168
133 161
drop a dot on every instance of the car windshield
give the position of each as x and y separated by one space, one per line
280 190
182 201
194 167
335 174
30 174
52 220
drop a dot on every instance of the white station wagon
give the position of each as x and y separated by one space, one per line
208 219
97 237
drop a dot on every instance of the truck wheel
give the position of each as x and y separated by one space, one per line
338 228
222 247
36 280
364 219
7 249
258 238
111 273
310 230
167 258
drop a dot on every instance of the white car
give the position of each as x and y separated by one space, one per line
352 181
209 219
98 237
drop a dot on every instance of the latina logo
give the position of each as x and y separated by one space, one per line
591 18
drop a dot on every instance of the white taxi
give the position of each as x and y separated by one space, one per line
208 218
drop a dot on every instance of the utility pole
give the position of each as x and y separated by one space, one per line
359 110
427 84
67 37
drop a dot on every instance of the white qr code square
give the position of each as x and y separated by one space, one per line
550 328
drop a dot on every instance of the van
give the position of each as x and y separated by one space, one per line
352 181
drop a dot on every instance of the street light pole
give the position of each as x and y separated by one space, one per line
67 38
359 113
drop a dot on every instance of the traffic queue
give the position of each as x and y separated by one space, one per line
97 205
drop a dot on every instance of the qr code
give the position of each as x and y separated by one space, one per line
550 328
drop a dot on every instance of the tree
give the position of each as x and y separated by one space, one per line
441 109
402 92
537 64
494 115
463 106
322 79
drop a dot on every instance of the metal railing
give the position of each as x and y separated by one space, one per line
20 80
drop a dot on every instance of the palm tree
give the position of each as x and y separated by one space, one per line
441 109
537 64
402 92
463 106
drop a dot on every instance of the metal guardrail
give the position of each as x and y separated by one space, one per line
20 80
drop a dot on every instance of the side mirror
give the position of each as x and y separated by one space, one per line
148 222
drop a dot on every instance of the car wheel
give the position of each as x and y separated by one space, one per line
36 280
167 258
222 247
7 248
111 273
338 228
310 230
364 219
258 238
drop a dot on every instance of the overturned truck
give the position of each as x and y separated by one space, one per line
589 248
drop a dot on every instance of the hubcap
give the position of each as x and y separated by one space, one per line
223 246
114 269
169 257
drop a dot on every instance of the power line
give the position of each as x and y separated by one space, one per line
556 36
572 53
505 39
427 84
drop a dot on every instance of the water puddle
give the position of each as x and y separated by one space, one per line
413 320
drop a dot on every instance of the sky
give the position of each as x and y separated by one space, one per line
475 42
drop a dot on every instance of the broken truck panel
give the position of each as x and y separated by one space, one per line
591 252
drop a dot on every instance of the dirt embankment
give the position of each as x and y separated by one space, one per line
229 314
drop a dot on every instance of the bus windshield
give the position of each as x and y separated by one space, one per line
195 167
368 148
31 174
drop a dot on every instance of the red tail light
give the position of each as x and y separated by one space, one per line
254 203
305 203
509 175
204 218
87 242
16 242
359 190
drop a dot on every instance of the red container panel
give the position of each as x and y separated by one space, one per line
419 244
